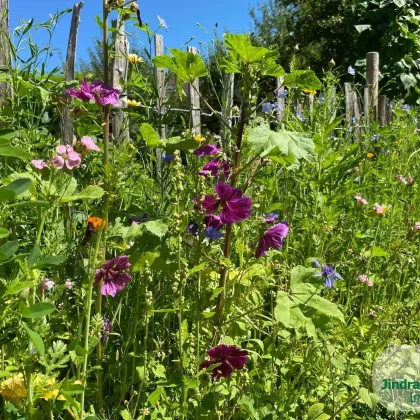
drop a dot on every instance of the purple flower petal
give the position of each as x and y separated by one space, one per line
207 150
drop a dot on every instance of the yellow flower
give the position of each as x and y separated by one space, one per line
33 198
133 103
370 155
134 58
309 92
198 138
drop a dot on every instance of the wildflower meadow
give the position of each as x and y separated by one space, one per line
201 234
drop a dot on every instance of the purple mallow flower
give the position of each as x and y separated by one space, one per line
328 273
272 238
113 275
235 207
227 357
213 168
96 91
207 150
105 331
192 228
271 217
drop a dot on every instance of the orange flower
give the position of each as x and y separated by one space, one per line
97 223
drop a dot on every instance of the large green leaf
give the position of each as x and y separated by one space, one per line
322 305
7 134
409 80
316 412
268 143
8 250
3 233
37 310
301 275
150 135
51 261
14 152
269 67
157 227
282 309
16 287
15 188
178 143
36 339
304 79
34 256
91 192
240 44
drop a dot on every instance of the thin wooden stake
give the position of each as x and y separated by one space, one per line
281 101
349 104
366 104
356 114
382 110
227 101
372 77
66 122
160 86
195 100
119 71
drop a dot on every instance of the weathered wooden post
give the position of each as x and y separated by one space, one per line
227 103
366 104
119 71
194 96
66 122
349 103
382 104
356 114
372 78
281 101
5 53
160 86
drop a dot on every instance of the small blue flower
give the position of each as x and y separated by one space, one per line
351 71
168 158
192 228
328 273
406 107
281 94
375 137
270 218
213 233
299 116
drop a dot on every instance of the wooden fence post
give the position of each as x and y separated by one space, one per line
366 104
227 102
372 78
356 114
5 53
281 101
194 96
382 110
160 86
119 70
66 121
349 103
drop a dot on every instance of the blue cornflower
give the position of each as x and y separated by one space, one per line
328 273
213 233
321 98
281 94
270 218
351 71
299 116
375 137
406 107
168 158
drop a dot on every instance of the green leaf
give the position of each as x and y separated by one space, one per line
322 305
301 275
284 143
51 261
155 395
36 339
159 371
3 233
8 250
178 143
150 135
91 192
240 44
269 67
34 256
282 309
157 227
15 288
126 415
304 79
376 252
197 268
37 310
408 80
15 188
362 28
14 152
316 412
365 397
7 134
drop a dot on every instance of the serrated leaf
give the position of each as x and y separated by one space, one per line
36 339
160 371
353 381
150 135
178 143
282 309
322 305
408 80
126 415
157 227
240 44
365 397
91 192
301 275
316 412
37 310
304 79
268 143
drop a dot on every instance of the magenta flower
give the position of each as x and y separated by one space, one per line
113 275
39 164
67 156
207 150
213 222
213 168
96 91
272 238
235 207
363 278
360 200
228 358
89 144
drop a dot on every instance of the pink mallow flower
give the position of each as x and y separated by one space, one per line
363 278
68 284
369 283
96 91
272 238
39 164
417 226
113 276
235 207
89 144
66 156
401 179
360 200
45 285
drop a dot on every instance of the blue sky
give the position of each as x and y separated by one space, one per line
180 15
